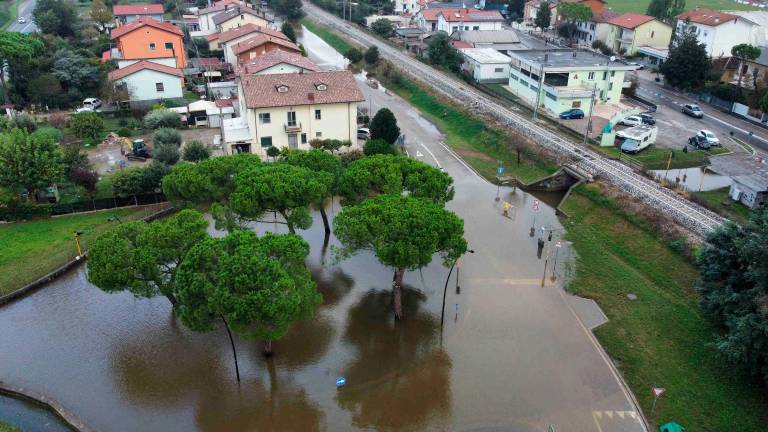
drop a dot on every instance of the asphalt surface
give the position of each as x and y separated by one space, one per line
25 10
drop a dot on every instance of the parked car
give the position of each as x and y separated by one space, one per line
85 109
647 119
364 134
693 110
639 66
632 120
709 137
92 102
573 113
698 142
21 20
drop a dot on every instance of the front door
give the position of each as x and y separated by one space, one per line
293 143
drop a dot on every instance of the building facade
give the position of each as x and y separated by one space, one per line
146 38
260 45
125 14
718 31
238 16
486 65
631 31
148 82
450 20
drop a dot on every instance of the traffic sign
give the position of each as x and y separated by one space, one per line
500 170
658 391
559 243
535 205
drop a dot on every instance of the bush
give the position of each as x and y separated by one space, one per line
195 151
354 55
162 118
164 136
378 146
384 126
383 27
50 132
167 154
124 132
58 120
351 156
273 152
138 181
372 55
25 121
86 125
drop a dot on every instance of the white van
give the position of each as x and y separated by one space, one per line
637 138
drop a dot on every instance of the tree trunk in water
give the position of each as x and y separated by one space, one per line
325 220
232 342
397 292
268 348
171 298
6 96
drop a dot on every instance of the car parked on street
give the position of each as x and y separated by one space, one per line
699 142
693 110
573 113
647 119
632 120
709 137
363 134
21 20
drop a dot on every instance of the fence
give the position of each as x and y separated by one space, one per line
29 211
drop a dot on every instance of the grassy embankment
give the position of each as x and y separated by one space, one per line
35 248
623 6
660 339
7 427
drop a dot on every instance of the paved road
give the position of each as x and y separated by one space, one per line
25 10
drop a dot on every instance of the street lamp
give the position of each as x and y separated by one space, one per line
445 289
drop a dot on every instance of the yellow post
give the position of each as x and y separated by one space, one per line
77 243
669 161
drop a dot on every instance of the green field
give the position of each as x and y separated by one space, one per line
660 339
33 249
622 6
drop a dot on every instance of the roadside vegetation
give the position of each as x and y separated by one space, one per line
657 158
35 248
718 201
661 339
7 427
8 14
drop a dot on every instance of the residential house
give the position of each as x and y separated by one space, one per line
411 6
751 189
289 110
486 65
278 62
148 82
396 20
561 79
596 29
759 36
754 73
205 16
499 40
124 14
718 31
227 39
238 16
257 45
531 11
596 6
631 31
148 39
450 20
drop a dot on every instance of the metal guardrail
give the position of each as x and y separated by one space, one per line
687 213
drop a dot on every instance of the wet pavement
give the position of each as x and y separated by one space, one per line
693 179
513 354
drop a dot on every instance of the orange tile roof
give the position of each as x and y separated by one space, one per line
145 21
138 9
261 91
259 40
139 66
706 17
630 20
247 29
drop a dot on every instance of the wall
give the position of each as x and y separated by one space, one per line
237 21
280 69
487 72
653 34
135 45
141 86
339 121
720 39
168 61
229 56
450 27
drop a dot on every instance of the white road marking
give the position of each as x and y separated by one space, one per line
419 154
431 154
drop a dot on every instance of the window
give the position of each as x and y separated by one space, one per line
318 116
591 26
610 86
605 75
497 70
591 76
282 89
613 73
291 118
266 141
514 77
159 87
475 27
321 87
303 138
551 96
652 33
169 45
455 28
576 104
264 118
242 16
319 135
152 46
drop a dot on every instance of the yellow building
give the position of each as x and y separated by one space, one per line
631 31
239 16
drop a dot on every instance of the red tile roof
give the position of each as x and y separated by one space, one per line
248 29
458 44
138 9
706 17
145 21
222 5
261 91
139 66
276 57
260 40
604 16
631 20
223 103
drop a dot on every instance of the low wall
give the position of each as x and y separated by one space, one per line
47 403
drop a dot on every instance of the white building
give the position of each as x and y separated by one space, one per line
148 82
751 189
718 31
450 20
289 110
130 12
205 16
278 62
595 29
486 64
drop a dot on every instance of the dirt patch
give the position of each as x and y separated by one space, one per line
474 154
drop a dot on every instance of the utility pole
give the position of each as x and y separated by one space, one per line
589 117
541 83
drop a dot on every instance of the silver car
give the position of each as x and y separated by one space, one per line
693 110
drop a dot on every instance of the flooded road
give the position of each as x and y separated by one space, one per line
693 179
513 355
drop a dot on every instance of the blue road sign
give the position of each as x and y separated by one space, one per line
340 381
500 170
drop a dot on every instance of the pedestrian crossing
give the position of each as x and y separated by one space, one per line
618 421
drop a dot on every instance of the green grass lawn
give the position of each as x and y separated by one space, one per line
35 248
622 6
718 201
656 158
331 38
7 427
660 339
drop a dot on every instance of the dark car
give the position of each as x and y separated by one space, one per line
699 141
574 113
693 110
647 119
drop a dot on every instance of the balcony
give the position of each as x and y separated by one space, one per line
293 127
568 92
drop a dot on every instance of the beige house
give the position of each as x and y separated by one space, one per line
227 39
238 16
291 109
631 31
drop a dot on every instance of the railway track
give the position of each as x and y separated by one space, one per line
683 211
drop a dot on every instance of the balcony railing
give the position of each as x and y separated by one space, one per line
293 127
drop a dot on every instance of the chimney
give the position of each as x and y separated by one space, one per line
311 97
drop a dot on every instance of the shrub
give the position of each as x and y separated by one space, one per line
162 118
378 146
383 27
195 151
50 132
124 132
164 136
354 55
351 156
25 121
167 153
137 181
372 55
58 120
273 152
384 126
86 125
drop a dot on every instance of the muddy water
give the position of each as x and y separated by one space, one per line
29 417
693 179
